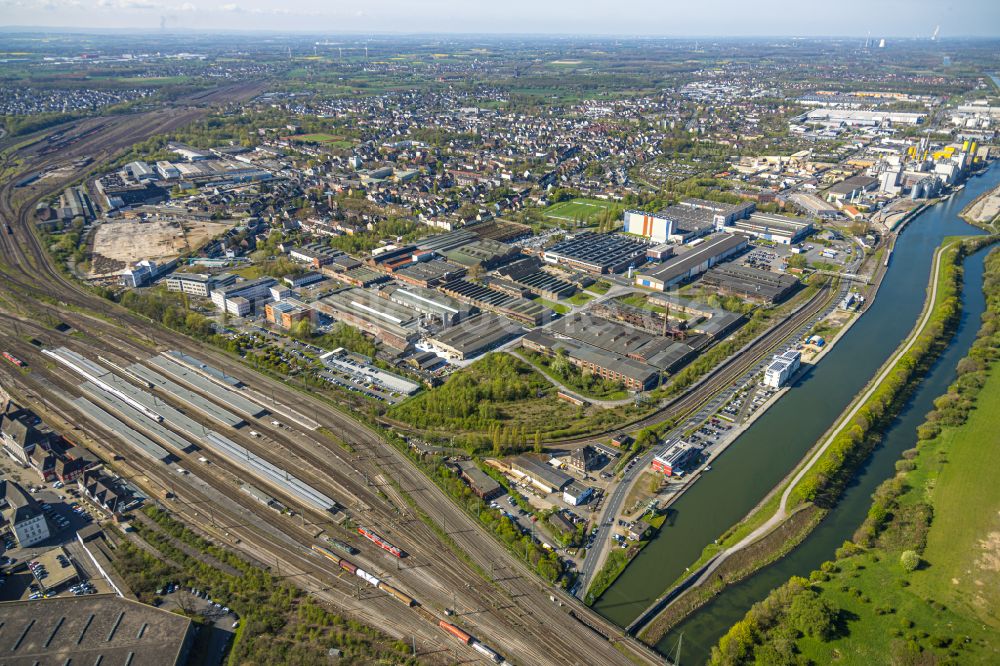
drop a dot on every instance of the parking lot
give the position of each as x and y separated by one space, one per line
220 621
767 257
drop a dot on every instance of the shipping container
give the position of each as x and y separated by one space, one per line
367 577
389 589
489 653
455 631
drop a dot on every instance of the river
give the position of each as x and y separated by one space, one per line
765 453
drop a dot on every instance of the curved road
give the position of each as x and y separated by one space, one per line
782 513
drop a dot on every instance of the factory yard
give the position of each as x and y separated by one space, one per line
158 240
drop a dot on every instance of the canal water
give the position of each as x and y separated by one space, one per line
764 454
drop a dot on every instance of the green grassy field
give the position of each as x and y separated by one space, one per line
963 545
323 138
552 305
585 210
950 606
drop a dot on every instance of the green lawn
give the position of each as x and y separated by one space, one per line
322 137
956 592
963 545
580 298
600 287
585 210
552 305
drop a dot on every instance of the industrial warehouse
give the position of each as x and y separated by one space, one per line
101 629
597 253
692 263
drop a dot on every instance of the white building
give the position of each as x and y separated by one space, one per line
782 367
23 514
253 292
167 170
654 226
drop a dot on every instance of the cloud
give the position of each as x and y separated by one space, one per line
126 4
231 7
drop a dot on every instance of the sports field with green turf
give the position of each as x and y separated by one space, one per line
583 210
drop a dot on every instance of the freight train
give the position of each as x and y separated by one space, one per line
380 542
458 633
372 580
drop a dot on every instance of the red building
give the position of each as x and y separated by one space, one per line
674 457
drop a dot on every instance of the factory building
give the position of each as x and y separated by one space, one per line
850 188
752 284
527 273
722 213
93 629
852 117
430 273
810 204
545 477
430 303
781 368
485 298
654 226
776 228
634 375
597 253
674 457
475 336
394 324
692 263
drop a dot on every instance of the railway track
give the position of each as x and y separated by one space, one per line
513 611
723 374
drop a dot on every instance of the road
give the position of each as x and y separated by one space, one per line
711 396
510 609
782 512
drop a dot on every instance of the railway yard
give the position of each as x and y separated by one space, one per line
121 384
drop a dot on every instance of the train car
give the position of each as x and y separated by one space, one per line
379 541
350 567
341 546
489 653
367 577
327 554
19 363
389 589
455 631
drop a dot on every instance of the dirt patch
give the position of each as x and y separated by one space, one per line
159 240
984 209
990 559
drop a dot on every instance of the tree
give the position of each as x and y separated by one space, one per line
909 560
812 615
538 442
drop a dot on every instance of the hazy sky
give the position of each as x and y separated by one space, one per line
677 18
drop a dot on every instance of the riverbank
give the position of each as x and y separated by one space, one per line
920 580
820 478
984 210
